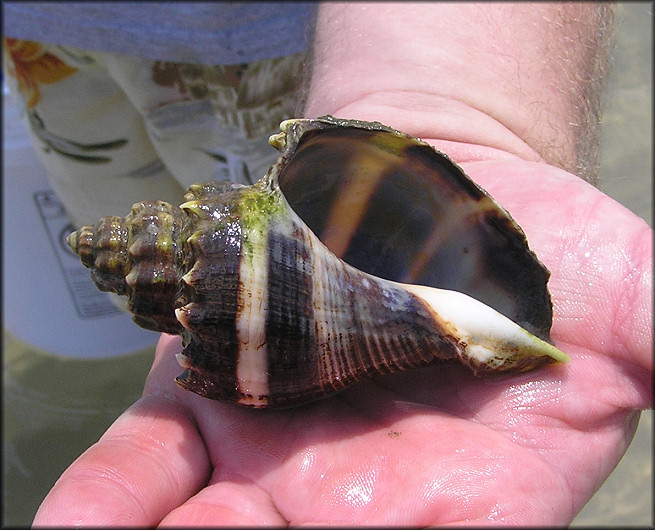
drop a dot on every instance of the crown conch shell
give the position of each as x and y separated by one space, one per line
272 316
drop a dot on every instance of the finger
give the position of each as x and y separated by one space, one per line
227 504
150 461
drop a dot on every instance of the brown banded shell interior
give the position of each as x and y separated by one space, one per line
395 207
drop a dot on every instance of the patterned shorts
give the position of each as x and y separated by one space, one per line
113 129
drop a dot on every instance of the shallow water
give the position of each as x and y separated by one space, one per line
54 408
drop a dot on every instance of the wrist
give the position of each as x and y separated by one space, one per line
465 134
486 81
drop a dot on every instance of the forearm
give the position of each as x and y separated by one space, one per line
480 80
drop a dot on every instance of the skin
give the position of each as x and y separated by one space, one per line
436 445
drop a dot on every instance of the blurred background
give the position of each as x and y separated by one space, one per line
54 407
626 174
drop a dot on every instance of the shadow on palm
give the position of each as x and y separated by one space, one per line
442 410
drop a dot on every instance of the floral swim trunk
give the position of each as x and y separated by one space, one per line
112 130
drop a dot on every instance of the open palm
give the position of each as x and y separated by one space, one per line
428 446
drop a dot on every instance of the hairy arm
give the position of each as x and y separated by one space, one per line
482 80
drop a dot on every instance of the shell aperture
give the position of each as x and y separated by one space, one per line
271 316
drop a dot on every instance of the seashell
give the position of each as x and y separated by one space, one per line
362 251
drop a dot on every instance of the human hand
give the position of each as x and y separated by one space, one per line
435 445
427 446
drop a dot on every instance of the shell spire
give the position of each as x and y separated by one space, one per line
270 313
